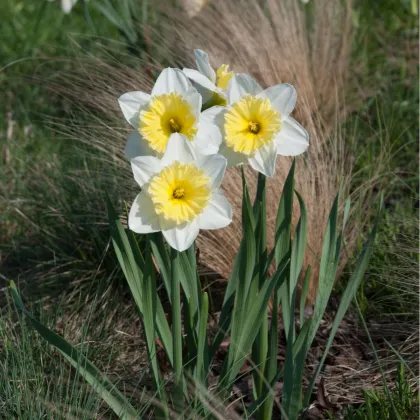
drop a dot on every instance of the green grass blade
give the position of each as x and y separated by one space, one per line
403 362
110 13
385 385
99 382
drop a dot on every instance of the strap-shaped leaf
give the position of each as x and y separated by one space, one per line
240 348
132 265
247 262
162 259
284 218
328 268
149 323
348 295
99 382
296 262
260 345
304 295
226 312
201 369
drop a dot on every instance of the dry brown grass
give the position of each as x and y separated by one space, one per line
282 42
275 45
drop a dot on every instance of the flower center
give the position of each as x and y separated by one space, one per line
174 126
180 192
251 123
223 76
166 114
254 127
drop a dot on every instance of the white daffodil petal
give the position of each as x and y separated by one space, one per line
209 136
137 146
144 167
180 149
194 100
200 79
240 85
233 158
214 166
282 98
131 103
203 65
293 139
171 80
180 237
264 160
142 217
217 214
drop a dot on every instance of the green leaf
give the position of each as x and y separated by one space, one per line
201 369
226 312
190 280
271 364
284 218
162 259
282 244
99 382
304 295
110 13
294 368
239 349
246 267
328 268
149 322
348 295
176 274
132 265
260 346
296 262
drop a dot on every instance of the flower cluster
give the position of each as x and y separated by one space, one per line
193 125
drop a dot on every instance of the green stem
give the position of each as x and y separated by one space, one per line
260 346
176 329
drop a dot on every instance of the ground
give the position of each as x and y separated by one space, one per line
55 245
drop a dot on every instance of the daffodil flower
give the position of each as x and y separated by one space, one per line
174 106
256 125
179 194
211 84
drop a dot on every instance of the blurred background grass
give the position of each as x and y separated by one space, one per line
52 236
